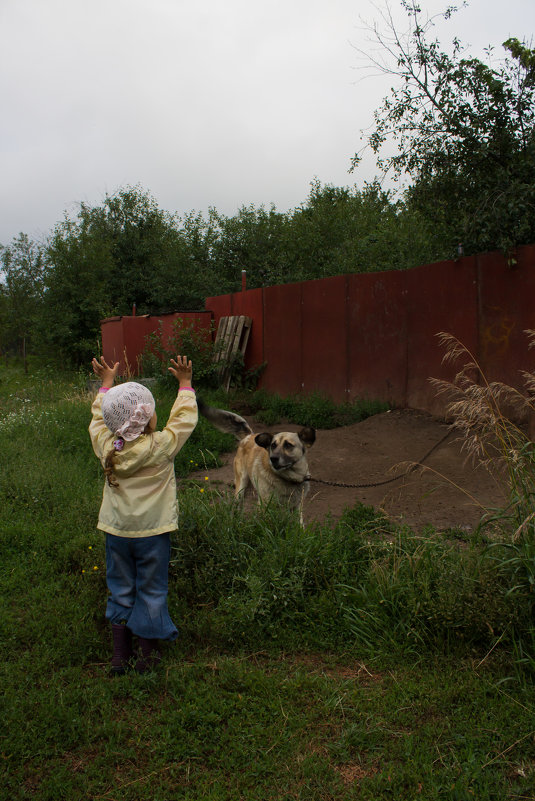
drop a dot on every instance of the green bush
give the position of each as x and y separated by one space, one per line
185 339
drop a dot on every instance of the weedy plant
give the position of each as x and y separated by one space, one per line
491 418
183 338
198 345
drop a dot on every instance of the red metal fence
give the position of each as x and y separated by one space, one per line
374 334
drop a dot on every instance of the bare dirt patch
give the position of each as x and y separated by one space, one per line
320 665
354 773
449 493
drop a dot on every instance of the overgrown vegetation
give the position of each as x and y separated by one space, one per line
183 338
487 414
348 659
200 346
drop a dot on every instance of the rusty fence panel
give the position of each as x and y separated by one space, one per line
374 334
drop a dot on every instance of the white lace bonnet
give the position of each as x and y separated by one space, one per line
127 408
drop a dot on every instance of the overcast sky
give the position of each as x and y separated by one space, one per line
203 103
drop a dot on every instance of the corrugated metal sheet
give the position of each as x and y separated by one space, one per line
374 334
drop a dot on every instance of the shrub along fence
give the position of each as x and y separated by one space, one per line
125 338
374 334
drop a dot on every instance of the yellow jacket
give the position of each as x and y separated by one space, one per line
144 503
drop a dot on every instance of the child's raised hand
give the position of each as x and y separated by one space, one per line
105 372
182 371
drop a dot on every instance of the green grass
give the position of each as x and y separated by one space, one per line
316 409
343 661
257 726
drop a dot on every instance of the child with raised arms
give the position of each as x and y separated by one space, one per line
139 506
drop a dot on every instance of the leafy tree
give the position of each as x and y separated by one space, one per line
337 230
5 333
465 134
253 240
21 293
108 258
201 236
347 230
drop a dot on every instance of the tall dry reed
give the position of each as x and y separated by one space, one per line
492 419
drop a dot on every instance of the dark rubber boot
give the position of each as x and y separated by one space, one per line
122 649
149 657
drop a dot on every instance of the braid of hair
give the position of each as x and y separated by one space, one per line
109 464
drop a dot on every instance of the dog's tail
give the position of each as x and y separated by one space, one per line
228 422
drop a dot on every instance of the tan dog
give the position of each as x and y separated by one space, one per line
275 464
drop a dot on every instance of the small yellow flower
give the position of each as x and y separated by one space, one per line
83 571
202 489
90 547
206 478
96 567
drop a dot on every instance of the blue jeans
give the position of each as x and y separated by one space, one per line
137 577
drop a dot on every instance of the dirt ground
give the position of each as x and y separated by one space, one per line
449 493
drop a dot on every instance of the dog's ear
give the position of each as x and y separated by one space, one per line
307 436
264 440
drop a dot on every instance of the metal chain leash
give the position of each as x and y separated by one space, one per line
411 469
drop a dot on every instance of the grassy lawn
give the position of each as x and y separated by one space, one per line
258 726
350 661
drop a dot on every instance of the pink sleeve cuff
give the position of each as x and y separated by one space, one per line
188 389
103 389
